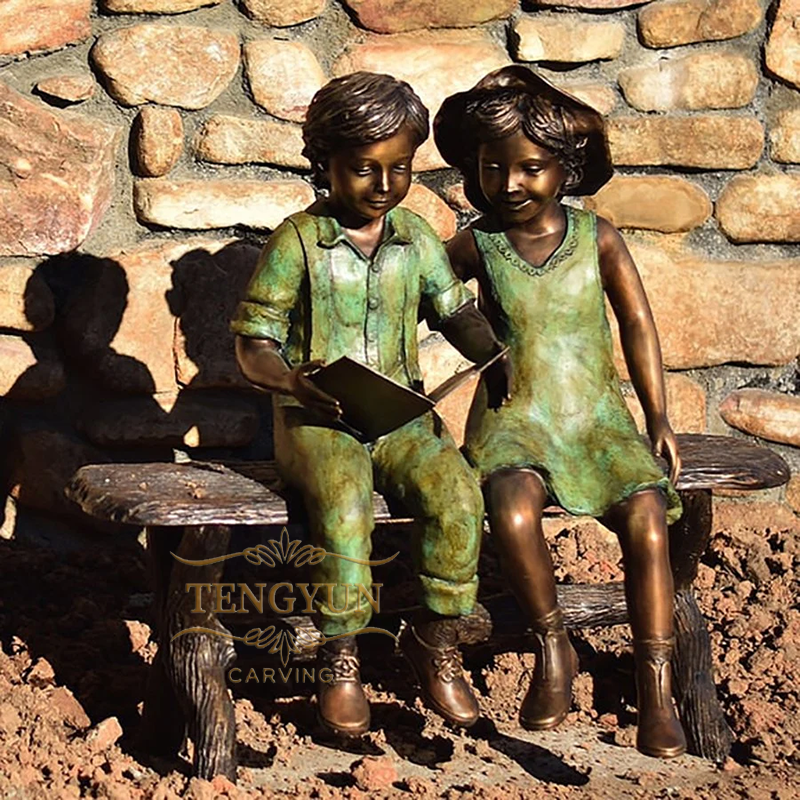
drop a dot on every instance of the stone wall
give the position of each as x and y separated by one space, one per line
147 147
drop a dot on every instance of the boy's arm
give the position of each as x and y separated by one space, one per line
261 323
639 338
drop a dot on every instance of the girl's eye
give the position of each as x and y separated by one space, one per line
533 170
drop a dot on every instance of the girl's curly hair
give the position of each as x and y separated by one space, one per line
503 112
358 109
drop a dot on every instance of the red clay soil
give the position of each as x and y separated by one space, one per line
76 644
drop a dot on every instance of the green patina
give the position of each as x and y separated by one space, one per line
567 417
319 296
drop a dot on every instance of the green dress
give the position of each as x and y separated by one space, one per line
567 418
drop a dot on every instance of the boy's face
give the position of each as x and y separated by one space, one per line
518 177
368 181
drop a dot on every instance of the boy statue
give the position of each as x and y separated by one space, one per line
350 275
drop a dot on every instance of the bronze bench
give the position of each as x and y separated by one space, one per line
189 508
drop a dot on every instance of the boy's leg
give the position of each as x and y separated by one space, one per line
640 522
333 472
515 499
420 465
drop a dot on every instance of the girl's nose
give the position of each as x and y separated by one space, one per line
511 181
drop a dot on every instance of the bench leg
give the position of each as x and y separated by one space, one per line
707 732
163 728
197 662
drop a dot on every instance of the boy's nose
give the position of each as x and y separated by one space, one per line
382 182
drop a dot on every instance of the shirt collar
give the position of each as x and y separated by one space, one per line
331 233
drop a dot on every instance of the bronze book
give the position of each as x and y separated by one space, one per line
374 405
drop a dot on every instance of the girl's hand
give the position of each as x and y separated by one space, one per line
310 395
665 444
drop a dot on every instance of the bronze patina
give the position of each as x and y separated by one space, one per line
566 435
350 276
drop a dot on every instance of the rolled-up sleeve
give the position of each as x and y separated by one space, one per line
442 291
273 291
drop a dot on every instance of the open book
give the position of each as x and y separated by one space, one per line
374 405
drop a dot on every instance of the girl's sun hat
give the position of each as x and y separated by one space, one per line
456 146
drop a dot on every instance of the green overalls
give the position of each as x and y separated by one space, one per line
320 297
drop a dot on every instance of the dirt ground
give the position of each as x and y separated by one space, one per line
75 629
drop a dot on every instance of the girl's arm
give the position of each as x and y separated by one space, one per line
639 338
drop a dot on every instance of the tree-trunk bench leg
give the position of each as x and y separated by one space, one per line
707 732
163 728
197 662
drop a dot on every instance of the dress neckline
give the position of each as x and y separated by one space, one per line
562 252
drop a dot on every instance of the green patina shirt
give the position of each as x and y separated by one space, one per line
318 296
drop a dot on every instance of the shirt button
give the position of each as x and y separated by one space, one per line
374 302
372 336
375 267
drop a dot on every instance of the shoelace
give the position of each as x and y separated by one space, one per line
344 667
448 664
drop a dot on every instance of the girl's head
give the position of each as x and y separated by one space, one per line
512 103
359 109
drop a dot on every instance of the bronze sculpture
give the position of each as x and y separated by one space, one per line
348 276
543 269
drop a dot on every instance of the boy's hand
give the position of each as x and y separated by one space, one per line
665 444
499 378
310 395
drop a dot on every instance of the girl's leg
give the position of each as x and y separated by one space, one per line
640 522
515 500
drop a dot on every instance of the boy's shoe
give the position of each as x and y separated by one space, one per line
342 706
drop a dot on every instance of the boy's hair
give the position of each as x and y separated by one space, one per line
358 109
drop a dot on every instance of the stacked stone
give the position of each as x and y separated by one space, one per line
125 125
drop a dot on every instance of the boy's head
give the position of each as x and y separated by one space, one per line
359 109
515 100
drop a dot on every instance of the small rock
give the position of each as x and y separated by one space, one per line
669 23
283 76
783 45
625 737
157 135
784 137
655 202
41 674
432 209
47 25
10 720
591 5
700 140
201 204
26 302
373 774
760 208
436 64
394 16
768 415
104 734
697 81
173 65
236 140
138 633
69 88
280 14
68 708
570 39
155 6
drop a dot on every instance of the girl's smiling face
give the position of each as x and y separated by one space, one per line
518 178
369 180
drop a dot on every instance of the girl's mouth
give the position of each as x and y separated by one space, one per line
515 205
